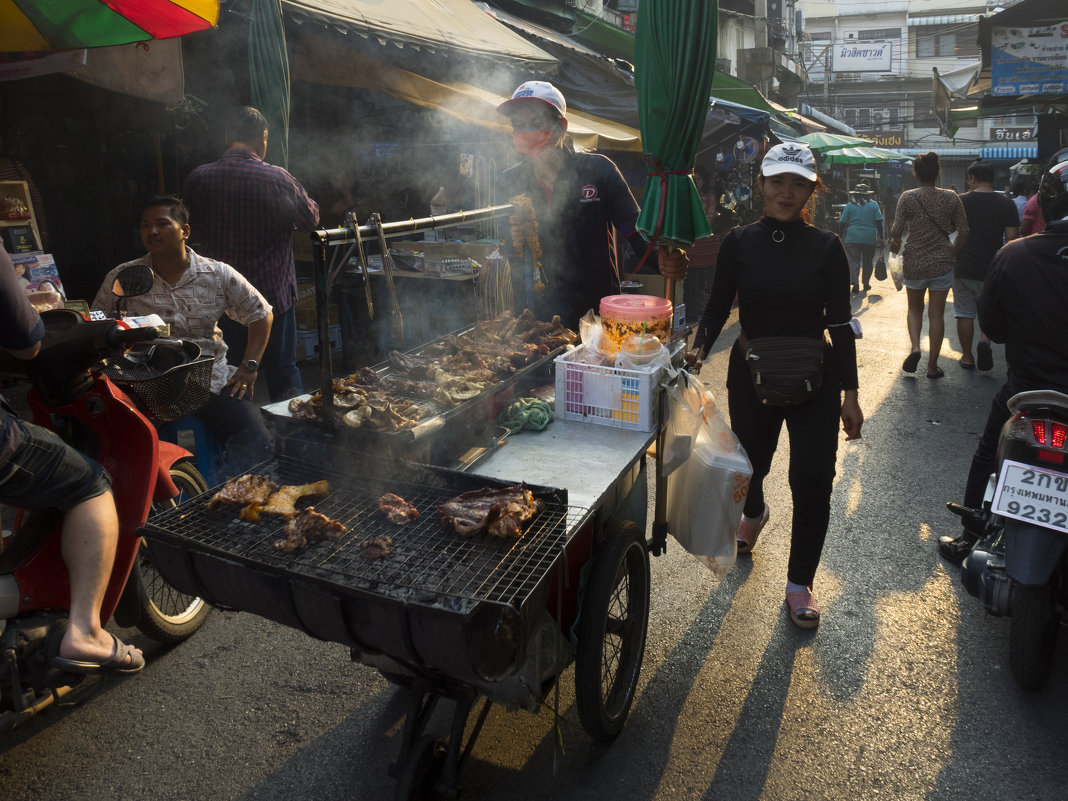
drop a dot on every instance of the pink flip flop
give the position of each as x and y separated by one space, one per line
804 610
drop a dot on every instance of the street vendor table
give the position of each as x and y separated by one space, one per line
589 461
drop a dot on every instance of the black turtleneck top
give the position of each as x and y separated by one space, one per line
792 280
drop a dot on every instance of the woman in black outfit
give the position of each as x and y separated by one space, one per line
791 280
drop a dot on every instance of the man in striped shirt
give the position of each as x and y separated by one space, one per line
245 211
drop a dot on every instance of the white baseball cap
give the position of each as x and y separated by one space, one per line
792 157
536 90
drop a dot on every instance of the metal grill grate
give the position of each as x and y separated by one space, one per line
429 563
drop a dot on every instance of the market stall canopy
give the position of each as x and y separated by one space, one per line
43 25
439 26
822 142
325 60
862 155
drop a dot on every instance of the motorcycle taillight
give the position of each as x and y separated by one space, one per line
1038 430
1057 435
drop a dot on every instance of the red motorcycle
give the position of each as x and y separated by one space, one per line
73 395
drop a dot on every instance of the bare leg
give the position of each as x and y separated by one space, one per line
915 318
936 326
965 333
90 533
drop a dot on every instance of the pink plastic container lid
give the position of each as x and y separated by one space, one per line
635 307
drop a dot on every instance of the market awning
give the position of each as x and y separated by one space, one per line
796 120
1009 153
439 26
832 124
735 90
943 19
326 60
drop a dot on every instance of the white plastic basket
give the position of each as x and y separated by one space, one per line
607 396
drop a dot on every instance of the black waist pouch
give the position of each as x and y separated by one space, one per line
786 371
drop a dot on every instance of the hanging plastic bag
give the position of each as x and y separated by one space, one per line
683 420
897 269
706 495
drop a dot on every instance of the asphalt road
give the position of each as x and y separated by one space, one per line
902 693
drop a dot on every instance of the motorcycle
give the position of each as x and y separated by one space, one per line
1019 566
73 395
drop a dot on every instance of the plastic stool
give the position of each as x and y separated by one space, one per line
207 449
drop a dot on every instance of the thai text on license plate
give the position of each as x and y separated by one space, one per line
1029 493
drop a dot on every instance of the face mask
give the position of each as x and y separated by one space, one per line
532 143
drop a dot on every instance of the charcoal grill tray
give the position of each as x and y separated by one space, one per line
438 416
438 600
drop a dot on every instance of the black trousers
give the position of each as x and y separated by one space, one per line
984 460
240 428
813 431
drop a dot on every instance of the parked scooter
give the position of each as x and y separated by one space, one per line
73 396
1019 567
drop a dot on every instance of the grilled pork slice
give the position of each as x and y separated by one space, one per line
283 502
377 548
396 509
306 527
244 490
502 513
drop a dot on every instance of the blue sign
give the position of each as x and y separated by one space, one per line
1029 61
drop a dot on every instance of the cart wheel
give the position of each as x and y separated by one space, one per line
421 770
611 632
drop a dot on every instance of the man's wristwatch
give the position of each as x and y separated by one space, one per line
252 365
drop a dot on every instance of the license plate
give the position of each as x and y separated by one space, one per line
1032 494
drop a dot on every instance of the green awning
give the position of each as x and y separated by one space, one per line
727 87
607 39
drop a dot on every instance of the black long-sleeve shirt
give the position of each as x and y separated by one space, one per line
1023 305
794 287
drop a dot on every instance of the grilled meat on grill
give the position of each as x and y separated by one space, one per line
396 509
306 527
377 548
248 489
502 513
283 502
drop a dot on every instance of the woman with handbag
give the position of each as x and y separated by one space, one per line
792 282
930 214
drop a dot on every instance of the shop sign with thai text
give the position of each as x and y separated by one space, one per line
1029 60
1011 134
862 56
887 138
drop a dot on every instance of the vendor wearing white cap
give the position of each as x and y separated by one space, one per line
575 196
792 280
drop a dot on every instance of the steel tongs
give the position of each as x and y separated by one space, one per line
350 220
396 320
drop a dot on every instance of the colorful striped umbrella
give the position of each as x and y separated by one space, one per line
43 25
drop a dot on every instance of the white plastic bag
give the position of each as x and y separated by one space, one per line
896 264
683 420
705 495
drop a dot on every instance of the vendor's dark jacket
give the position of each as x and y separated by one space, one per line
1023 305
573 232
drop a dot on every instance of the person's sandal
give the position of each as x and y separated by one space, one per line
748 531
804 610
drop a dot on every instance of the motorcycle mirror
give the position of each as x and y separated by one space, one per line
133 281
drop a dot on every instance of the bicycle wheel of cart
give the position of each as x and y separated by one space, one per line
611 632
167 615
420 772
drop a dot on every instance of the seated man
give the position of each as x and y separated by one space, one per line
191 293
40 471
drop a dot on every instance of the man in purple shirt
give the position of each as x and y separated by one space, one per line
244 211
38 470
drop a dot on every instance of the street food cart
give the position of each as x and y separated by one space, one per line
447 616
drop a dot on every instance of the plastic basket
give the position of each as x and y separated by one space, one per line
168 394
607 396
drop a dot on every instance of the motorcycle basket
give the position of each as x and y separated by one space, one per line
168 394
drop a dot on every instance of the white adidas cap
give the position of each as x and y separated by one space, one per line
789 157
536 90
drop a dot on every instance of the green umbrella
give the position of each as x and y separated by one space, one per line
862 155
675 60
822 142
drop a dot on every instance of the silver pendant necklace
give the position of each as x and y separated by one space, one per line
777 235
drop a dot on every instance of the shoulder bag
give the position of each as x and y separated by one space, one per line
927 214
786 371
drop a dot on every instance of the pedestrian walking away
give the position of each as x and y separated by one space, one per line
791 280
930 216
861 228
244 211
993 221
